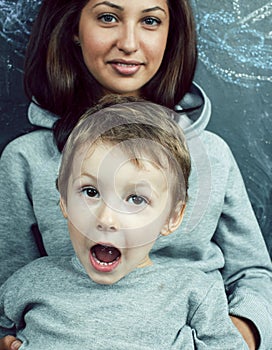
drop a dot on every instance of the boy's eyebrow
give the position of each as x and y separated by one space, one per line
110 4
86 175
143 187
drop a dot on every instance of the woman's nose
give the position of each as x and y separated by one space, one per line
107 219
128 41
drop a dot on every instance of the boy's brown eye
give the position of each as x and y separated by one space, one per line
91 192
137 200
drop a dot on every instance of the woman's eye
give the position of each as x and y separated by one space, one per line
107 18
137 200
151 21
90 192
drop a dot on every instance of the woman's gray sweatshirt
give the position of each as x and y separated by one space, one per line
219 230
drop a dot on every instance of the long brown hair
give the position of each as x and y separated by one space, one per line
59 81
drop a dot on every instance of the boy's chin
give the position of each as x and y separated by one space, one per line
105 278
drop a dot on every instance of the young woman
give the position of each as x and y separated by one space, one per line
82 50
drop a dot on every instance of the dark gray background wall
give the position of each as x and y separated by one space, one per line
235 70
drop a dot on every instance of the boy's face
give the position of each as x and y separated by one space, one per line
115 211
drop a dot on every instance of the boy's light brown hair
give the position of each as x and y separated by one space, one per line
142 129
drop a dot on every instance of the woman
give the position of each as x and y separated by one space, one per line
80 51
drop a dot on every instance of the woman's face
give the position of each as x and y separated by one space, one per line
123 42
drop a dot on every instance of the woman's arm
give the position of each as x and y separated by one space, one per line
248 331
247 272
227 234
7 326
211 325
17 243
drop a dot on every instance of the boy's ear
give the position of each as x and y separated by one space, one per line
63 208
175 220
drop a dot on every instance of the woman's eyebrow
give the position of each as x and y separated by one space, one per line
110 4
155 8
120 8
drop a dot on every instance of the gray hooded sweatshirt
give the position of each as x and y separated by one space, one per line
52 304
219 231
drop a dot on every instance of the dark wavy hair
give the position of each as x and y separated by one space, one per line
58 80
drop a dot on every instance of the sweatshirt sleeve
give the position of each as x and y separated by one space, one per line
247 272
7 326
16 211
211 325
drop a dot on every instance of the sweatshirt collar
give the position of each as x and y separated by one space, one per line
41 117
194 113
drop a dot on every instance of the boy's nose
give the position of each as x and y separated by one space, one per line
104 227
107 219
127 40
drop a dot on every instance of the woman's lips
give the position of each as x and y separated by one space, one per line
126 68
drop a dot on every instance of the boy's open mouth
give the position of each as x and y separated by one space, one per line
104 258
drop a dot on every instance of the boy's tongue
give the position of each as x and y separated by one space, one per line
106 253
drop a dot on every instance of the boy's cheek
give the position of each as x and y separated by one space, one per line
81 219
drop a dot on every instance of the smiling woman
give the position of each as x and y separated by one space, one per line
123 44
75 48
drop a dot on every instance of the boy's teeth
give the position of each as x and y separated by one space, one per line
105 254
103 263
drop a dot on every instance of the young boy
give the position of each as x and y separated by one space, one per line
123 182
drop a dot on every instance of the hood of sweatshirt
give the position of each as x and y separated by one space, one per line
194 113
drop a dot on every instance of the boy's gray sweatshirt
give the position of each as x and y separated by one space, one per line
54 305
219 230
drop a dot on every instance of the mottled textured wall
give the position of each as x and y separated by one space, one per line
235 69
16 18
